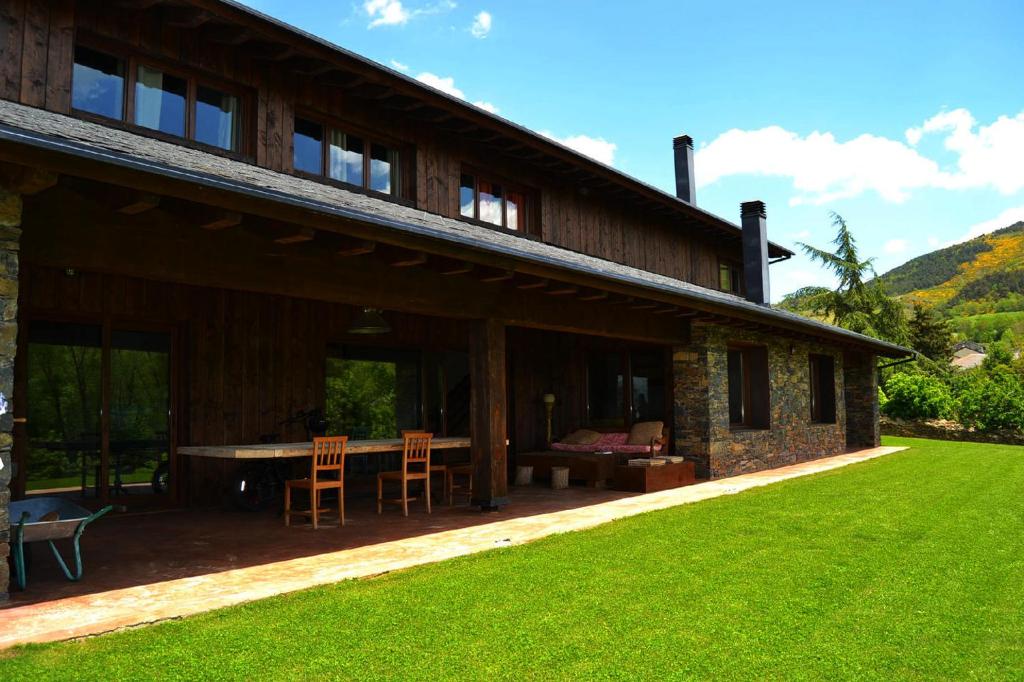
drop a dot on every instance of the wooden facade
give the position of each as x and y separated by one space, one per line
600 220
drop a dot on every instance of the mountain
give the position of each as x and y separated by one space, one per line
982 275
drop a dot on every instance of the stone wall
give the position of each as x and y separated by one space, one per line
702 430
860 379
10 235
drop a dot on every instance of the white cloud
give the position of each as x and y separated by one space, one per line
802 234
895 246
825 169
446 84
481 25
1004 219
399 66
394 13
596 148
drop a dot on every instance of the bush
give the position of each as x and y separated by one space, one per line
917 396
882 399
991 400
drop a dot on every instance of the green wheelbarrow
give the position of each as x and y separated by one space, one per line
49 518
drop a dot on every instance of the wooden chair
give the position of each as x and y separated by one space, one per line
415 467
328 455
450 487
434 468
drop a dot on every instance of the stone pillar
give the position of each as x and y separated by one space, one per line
10 237
860 388
692 403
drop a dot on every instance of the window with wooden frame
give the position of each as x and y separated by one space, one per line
823 389
163 100
749 390
347 156
730 277
626 386
496 202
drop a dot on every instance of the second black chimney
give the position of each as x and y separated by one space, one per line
755 251
686 187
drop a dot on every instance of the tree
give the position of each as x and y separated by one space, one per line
930 334
858 303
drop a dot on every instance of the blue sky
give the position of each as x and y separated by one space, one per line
905 117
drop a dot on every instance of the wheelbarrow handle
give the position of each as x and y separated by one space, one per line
77 575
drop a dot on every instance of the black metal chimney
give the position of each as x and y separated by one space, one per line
755 251
686 188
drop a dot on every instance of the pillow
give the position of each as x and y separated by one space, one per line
581 437
643 432
611 439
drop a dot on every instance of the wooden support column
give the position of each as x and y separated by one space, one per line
487 411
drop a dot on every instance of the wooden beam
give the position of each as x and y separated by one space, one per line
534 283
487 410
410 259
665 311
295 235
644 305
498 276
219 220
356 247
25 180
594 296
136 203
563 290
458 268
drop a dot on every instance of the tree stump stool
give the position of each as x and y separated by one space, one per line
524 475
559 478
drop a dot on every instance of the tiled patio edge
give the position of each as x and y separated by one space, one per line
106 611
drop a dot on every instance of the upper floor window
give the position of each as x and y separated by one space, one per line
494 202
150 97
98 83
341 156
730 278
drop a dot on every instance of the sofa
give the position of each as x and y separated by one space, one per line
592 456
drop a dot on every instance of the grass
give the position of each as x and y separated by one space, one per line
910 566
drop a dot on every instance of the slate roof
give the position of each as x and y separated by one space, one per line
30 127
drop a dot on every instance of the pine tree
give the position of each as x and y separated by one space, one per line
858 303
930 334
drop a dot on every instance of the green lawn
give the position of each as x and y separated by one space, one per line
910 566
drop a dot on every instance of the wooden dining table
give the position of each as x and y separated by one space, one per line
284 450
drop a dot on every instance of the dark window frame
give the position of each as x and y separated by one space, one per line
755 387
531 212
735 272
822 375
132 60
406 190
626 363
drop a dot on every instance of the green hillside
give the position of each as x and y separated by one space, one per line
983 275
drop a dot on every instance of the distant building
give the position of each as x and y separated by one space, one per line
967 355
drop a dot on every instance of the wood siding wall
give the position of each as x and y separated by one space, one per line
37 41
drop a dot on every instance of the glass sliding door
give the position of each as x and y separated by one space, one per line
75 374
64 410
140 402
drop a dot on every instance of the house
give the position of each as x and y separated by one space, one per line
967 355
217 228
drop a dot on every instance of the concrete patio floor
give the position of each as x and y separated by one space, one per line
146 568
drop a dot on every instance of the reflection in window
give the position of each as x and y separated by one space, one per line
493 203
217 118
160 101
372 392
605 379
383 169
647 376
748 386
346 158
97 83
307 143
467 196
730 278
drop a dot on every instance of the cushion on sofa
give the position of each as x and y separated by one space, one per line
573 447
643 432
608 441
635 449
582 437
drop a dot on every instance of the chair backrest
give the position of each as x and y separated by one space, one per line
416 448
329 453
